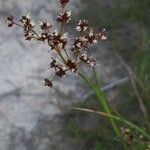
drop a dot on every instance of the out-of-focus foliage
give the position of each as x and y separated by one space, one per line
116 13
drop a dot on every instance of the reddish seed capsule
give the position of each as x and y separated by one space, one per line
61 72
48 83
71 65
64 3
64 17
10 21
45 25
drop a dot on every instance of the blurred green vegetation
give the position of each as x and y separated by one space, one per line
127 23
115 13
92 132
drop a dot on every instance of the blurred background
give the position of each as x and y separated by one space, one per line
34 117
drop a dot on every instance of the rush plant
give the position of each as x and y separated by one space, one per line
71 53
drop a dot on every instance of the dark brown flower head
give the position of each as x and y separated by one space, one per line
27 23
48 83
57 41
25 19
45 25
71 65
28 35
88 60
77 43
63 3
10 21
60 71
64 17
54 64
82 25
43 37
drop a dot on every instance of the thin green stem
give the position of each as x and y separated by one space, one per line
117 118
62 57
97 81
101 98
66 53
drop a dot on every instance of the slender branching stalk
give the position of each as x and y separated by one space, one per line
117 118
96 89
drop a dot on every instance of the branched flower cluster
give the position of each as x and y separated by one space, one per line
71 54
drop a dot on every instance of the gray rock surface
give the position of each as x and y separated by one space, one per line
28 110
